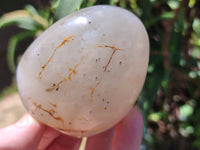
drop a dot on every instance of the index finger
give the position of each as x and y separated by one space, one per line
128 132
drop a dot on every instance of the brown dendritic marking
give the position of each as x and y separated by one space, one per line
114 51
83 119
51 112
67 39
73 71
56 86
64 79
54 105
92 90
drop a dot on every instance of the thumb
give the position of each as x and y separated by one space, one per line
23 135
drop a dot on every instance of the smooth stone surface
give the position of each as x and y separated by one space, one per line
84 73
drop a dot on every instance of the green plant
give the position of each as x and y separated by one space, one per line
31 21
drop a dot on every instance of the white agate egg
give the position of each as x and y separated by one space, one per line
84 73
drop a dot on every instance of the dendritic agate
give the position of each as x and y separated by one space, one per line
84 73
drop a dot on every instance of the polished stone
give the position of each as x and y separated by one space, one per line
84 73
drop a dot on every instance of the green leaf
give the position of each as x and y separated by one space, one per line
19 17
114 2
88 3
167 15
156 116
12 45
31 9
191 3
185 112
36 17
163 16
26 19
196 26
122 3
134 6
173 4
67 7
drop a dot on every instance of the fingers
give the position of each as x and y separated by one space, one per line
28 134
25 134
101 141
128 132
65 142
127 135
48 137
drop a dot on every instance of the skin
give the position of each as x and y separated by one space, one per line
29 134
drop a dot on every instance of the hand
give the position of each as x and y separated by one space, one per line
29 134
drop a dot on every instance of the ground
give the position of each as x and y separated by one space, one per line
11 109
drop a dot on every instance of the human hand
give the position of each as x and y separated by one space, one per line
29 134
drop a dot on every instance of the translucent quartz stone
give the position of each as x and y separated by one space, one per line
84 73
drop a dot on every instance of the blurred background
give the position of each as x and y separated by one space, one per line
170 99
